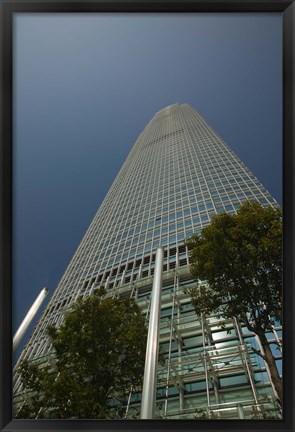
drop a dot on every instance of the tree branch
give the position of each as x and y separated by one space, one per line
258 352
279 344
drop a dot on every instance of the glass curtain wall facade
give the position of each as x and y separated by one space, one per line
178 174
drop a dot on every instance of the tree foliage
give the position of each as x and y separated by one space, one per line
239 259
99 353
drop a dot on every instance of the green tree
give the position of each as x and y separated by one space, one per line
99 355
239 258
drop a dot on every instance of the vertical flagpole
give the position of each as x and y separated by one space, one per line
29 318
152 348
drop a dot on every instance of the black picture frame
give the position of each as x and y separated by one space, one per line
7 9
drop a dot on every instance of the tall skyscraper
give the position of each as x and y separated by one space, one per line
178 174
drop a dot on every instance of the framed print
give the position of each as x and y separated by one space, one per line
147 211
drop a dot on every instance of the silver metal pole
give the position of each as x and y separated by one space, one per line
204 354
246 359
180 353
240 411
169 355
148 401
29 318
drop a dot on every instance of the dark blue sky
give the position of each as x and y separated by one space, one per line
85 86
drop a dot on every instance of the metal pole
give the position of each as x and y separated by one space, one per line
180 352
29 318
245 356
128 402
169 356
152 347
240 411
204 354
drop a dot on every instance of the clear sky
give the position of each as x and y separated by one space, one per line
85 86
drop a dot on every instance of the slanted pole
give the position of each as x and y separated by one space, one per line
148 401
29 318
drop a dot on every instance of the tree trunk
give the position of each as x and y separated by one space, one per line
279 315
274 373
